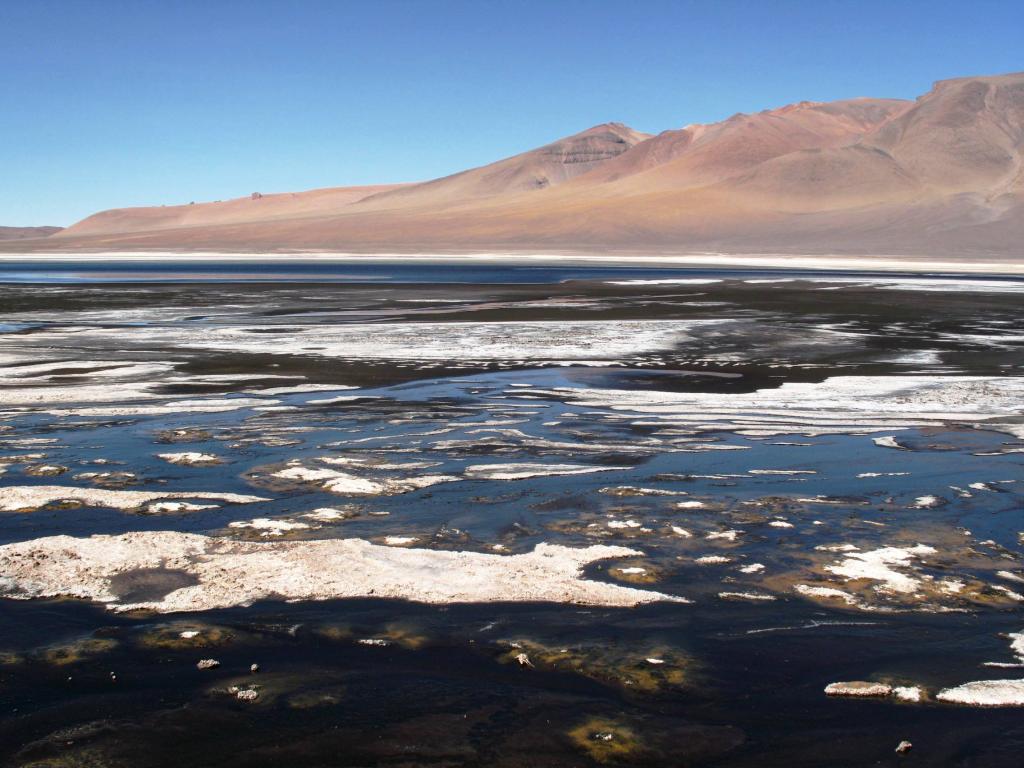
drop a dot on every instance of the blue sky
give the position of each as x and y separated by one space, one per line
108 103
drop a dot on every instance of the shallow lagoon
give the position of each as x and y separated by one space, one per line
385 382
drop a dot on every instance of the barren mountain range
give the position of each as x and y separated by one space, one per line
941 175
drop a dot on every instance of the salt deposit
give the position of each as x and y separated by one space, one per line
523 471
229 572
25 498
878 565
986 693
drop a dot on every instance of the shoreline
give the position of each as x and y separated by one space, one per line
767 261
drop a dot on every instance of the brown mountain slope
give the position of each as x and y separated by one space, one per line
966 135
963 141
538 169
942 175
254 208
702 154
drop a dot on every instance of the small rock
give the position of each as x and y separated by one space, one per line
524 660
254 668
247 694
903 746
207 664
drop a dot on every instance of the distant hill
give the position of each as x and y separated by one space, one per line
942 175
24 233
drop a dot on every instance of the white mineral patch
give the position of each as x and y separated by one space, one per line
878 565
927 502
667 281
16 498
355 461
231 572
986 693
910 693
781 472
681 532
920 357
268 526
571 340
400 541
703 447
523 471
780 524
46 372
752 568
190 458
207 405
295 389
348 484
125 386
858 688
165 507
724 535
690 505
632 490
712 560
822 500
624 524
840 405
888 441
754 596
826 592
339 398
952 586
1015 596
306 474
1017 644
326 515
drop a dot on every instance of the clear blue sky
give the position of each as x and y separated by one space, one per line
108 103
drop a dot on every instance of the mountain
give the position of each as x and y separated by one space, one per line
538 169
256 207
942 175
26 233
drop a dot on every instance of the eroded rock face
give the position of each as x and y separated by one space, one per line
202 572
